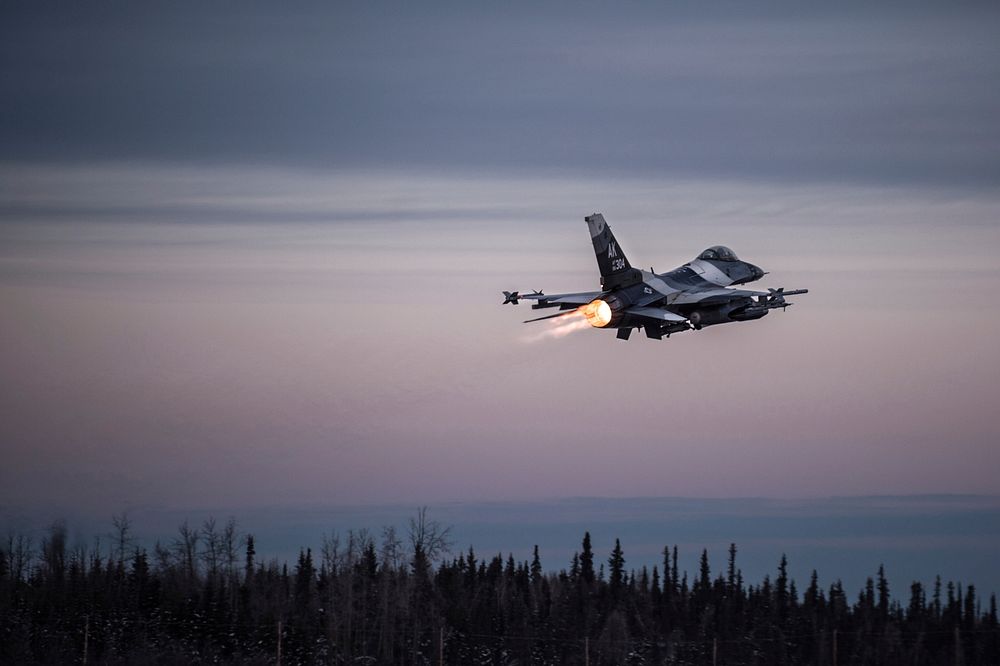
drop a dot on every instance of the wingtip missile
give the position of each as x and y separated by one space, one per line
513 297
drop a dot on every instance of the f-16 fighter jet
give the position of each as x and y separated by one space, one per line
696 295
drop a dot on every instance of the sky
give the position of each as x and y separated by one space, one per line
253 255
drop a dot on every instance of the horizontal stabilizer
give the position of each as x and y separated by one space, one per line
552 316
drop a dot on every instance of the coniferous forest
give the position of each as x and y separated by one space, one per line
403 598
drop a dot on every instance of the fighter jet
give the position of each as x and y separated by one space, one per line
693 296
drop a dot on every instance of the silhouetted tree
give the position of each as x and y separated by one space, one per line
367 603
616 567
587 560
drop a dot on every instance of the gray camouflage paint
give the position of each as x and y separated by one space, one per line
692 296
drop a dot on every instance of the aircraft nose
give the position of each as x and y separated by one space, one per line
757 271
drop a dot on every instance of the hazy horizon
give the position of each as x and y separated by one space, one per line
914 537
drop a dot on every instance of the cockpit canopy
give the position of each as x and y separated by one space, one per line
719 253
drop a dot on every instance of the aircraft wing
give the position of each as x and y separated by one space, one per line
546 300
709 296
658 314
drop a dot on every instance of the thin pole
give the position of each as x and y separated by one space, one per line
86 636
441 646
279 642
834 647
715 651
958 647
586 651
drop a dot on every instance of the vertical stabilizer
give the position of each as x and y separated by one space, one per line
615 269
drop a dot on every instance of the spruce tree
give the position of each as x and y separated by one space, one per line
536 567
731 574
781 588
587 560
248 566
883 594
616 565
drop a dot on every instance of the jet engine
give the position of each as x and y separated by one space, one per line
604 312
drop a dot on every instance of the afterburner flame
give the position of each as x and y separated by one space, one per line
597 312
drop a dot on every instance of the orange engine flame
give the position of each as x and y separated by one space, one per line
597 312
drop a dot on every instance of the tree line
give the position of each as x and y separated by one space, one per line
404 598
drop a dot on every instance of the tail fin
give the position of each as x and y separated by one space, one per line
615 269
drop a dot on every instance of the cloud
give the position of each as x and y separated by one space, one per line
773 92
